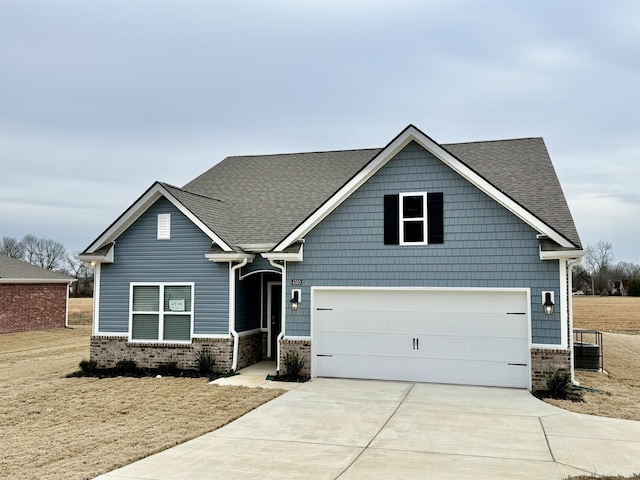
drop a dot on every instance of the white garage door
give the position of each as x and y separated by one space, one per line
473 337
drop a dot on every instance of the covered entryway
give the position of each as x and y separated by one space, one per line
461 336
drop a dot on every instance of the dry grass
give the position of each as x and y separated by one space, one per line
80 311
75 428
621 384
607 314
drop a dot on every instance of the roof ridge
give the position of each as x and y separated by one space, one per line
191 193
493 141
306 153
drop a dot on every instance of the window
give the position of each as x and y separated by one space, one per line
413 219
164 226
161 312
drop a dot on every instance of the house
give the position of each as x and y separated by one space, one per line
31 298
416 261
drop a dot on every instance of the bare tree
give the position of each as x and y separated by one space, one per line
597 260
30 244
83 273
11 247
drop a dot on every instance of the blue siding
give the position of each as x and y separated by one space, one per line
248 303
259 264
485 245
140 257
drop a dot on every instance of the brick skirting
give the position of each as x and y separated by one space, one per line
108 351
545 361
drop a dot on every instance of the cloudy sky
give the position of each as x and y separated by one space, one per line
98 99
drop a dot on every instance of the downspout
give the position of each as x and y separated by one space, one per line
232 310
572 262
283 269
66 311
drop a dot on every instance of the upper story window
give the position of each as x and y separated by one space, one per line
164 226
414 218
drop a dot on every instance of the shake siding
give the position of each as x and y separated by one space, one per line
484 244
140 257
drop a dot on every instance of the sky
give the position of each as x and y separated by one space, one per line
99 99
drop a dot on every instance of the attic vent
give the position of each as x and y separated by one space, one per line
164 226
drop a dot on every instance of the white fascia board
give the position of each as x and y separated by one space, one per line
282 256
229 257
562 254
140 206
256 247
90 258
409 134
36 280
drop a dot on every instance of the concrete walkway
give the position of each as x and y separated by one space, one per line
351 429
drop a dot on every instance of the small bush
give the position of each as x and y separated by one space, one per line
169 369
293 365
88 367
126 367
560 387
205 361
634 287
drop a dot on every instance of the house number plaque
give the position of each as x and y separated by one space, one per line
296 282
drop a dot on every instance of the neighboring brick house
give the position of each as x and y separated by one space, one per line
416 261
31 298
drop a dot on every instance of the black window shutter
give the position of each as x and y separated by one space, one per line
391 220
435 212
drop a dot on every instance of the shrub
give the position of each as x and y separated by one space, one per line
88 366
169 369
205 361
125 367
559 385
634 287
293 364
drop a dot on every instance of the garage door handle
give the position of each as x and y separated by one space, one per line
416 344
517 364
320 355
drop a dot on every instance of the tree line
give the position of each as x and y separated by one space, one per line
50 255
599 274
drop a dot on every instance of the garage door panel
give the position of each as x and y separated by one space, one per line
457 336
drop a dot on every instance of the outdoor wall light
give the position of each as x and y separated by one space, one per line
295 299
547 303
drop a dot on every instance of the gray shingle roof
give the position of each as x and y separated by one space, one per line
13 269
523 171
266 197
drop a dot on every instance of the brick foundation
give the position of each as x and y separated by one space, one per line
302 348
108 351
32 306
545 361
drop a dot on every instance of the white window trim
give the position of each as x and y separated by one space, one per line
161 313
164 226
422 219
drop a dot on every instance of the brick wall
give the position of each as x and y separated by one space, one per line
545 361
302 348
32 306
250 349
108 351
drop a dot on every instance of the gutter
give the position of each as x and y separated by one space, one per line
572 262
232 309
283 269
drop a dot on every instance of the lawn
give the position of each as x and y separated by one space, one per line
55 427
620 387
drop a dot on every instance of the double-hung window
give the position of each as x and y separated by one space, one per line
413 218
161 312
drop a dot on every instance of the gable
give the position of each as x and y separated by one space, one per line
412 134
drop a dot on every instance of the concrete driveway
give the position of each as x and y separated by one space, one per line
358 429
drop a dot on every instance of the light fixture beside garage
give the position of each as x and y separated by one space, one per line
296 295
547 302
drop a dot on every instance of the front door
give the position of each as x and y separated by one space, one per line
275 316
